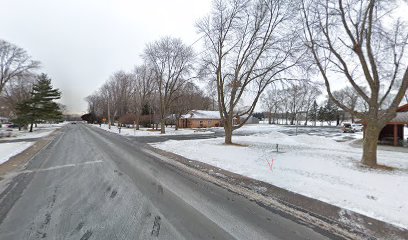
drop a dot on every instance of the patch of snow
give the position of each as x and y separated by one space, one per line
316 166
40 131
202 114
148 131
8 150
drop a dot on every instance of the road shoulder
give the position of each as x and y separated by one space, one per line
20 160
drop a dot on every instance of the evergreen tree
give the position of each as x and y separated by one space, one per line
314 112
41 106
330 112
321 115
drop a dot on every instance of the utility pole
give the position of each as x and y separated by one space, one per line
109 119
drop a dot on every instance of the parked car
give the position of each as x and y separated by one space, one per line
6 133
357 127
347 128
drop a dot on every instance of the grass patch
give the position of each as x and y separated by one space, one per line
379 167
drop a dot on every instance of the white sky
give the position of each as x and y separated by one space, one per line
81 43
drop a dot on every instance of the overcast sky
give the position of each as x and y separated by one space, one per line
81 42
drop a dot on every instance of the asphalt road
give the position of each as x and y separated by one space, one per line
91 184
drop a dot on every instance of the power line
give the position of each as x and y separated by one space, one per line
196 40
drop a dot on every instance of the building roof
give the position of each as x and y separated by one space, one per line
201 114
403 108
402 117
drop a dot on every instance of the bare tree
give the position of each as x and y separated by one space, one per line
312 91
172 63
360 41
272 102
351 99
17 91
190 97
96 104
248 45
143 88
296 95
14 62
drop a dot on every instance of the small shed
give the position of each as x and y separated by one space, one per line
393 132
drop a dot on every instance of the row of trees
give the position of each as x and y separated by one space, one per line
290 100
25 97
297 101
162 85
254 44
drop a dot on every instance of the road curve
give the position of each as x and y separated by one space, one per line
92 184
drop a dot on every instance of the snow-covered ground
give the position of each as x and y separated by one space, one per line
316 166
150 132
10 149
40 131
7 150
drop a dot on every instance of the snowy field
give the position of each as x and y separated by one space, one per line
149 132
9 148
320 167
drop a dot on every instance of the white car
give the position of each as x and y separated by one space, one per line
357 127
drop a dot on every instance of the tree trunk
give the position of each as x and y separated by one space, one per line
176 126
270 117
162 126
370 141
306 118
31 127
137 123
228 134
228 131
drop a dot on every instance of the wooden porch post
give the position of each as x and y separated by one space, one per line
395 135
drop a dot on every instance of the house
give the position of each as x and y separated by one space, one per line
393 132
200 119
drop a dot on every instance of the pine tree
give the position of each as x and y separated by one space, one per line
41 106
321 115
314 112
330 112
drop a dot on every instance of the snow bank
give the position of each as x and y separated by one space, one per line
8 150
